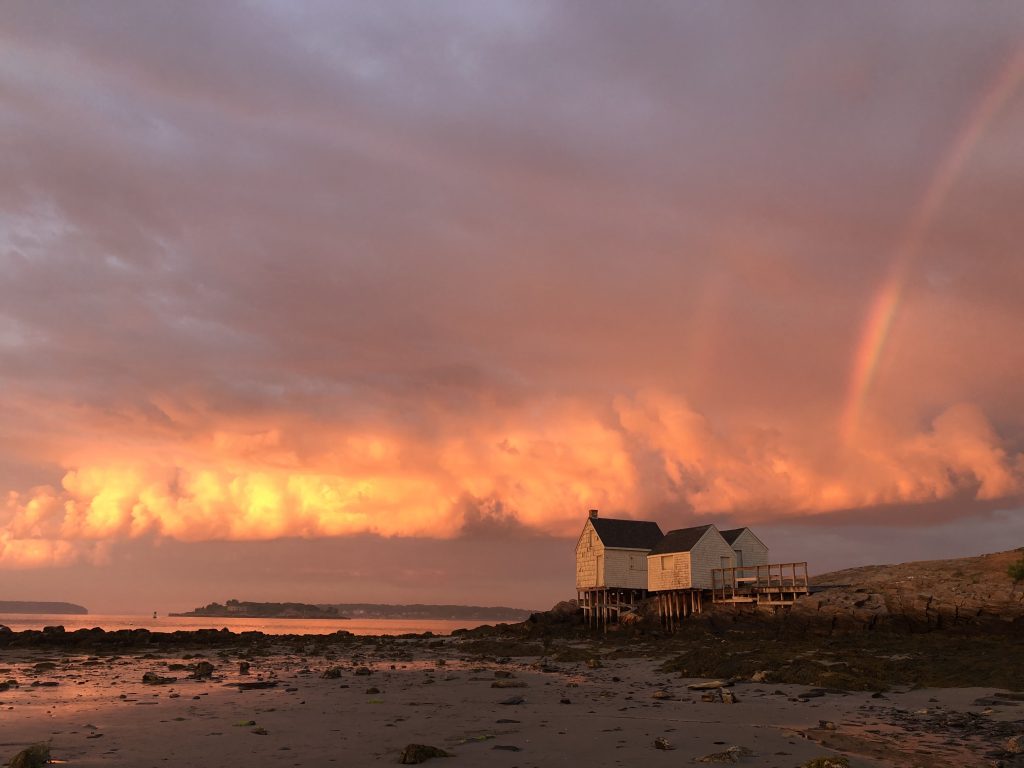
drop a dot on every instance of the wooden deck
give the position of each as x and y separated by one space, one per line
768 585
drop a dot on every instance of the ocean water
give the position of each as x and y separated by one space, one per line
21 621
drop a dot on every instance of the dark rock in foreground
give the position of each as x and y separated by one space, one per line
414 754
36 756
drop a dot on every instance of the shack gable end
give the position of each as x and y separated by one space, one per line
749 549
589 551
711 552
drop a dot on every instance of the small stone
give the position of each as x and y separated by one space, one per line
761 676
202 670
731 755
662 743
728 697
564 701
361 671
512 701
507 748
243 667
508 684
255 685
594 664
152 678
414 754
502 673
1015 745
331 674
826 725
372 690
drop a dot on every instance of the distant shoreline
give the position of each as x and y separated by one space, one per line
246 609
42 607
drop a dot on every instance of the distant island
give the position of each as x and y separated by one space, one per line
34 606
244 609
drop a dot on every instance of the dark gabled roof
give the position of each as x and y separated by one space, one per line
626 534
682 540
732 534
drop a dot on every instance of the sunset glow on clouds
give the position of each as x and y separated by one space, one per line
467 270
536 470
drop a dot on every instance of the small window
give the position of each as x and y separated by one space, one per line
637 563
666 562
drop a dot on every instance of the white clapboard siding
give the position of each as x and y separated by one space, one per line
671 571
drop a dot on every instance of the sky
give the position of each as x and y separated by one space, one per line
372 302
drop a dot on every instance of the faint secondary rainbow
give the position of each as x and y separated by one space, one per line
886 301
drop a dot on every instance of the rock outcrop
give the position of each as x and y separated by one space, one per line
918 596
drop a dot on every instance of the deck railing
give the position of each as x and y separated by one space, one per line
749 583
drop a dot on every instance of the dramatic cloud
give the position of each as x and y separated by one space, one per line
462 270
531 471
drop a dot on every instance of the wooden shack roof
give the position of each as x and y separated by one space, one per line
682 540
734 533
626 534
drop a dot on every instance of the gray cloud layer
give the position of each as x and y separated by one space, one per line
269 228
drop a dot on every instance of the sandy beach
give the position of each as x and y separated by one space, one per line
362 701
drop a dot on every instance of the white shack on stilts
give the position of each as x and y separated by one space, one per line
611 566
620 563
679 570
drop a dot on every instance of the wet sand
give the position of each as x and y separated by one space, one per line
431 692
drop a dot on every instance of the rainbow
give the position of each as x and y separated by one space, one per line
886 302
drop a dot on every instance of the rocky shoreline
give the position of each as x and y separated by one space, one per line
579 698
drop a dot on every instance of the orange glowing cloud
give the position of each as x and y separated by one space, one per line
649 451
